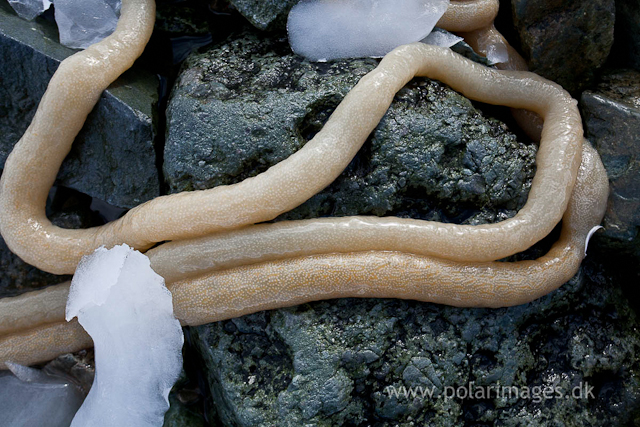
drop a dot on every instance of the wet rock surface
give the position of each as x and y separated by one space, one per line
113 157
265 14
566 41
611 113
355 362
340 362
248 104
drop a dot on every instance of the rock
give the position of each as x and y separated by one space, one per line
243 106
627 33
265 14
113 157
566 41
342 362
184 18
611 114
249 103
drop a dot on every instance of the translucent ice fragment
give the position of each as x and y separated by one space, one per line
498 53
29 397
84 22
439 37
29 9
331 29
125 307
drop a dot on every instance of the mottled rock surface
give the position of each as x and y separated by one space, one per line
265 14
341 362
611 113
113 157
565 40
248 104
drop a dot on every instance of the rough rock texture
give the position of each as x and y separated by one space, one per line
627 32
611 113
245 105
265 14
565 40
341 362
113 158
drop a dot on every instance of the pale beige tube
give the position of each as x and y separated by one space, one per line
238 291
181 259
34 308
31 235
469 15
265 242
32 166
484 39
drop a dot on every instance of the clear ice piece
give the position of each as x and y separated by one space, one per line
125 307
322 30
82 23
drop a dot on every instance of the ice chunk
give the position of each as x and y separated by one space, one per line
29 9
84 22
440 37
324 30
497 53
29 397
125 307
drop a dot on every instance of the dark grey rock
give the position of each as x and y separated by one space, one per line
566 41
611 113
248 104
342 362
113 157
265 14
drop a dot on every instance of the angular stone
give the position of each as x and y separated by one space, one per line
340 362
611 113
265 14
113 157
566 41
248 104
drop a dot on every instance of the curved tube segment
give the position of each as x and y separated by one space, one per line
282 187
278 265
230 293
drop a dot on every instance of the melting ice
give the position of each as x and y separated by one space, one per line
125 307
322 30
